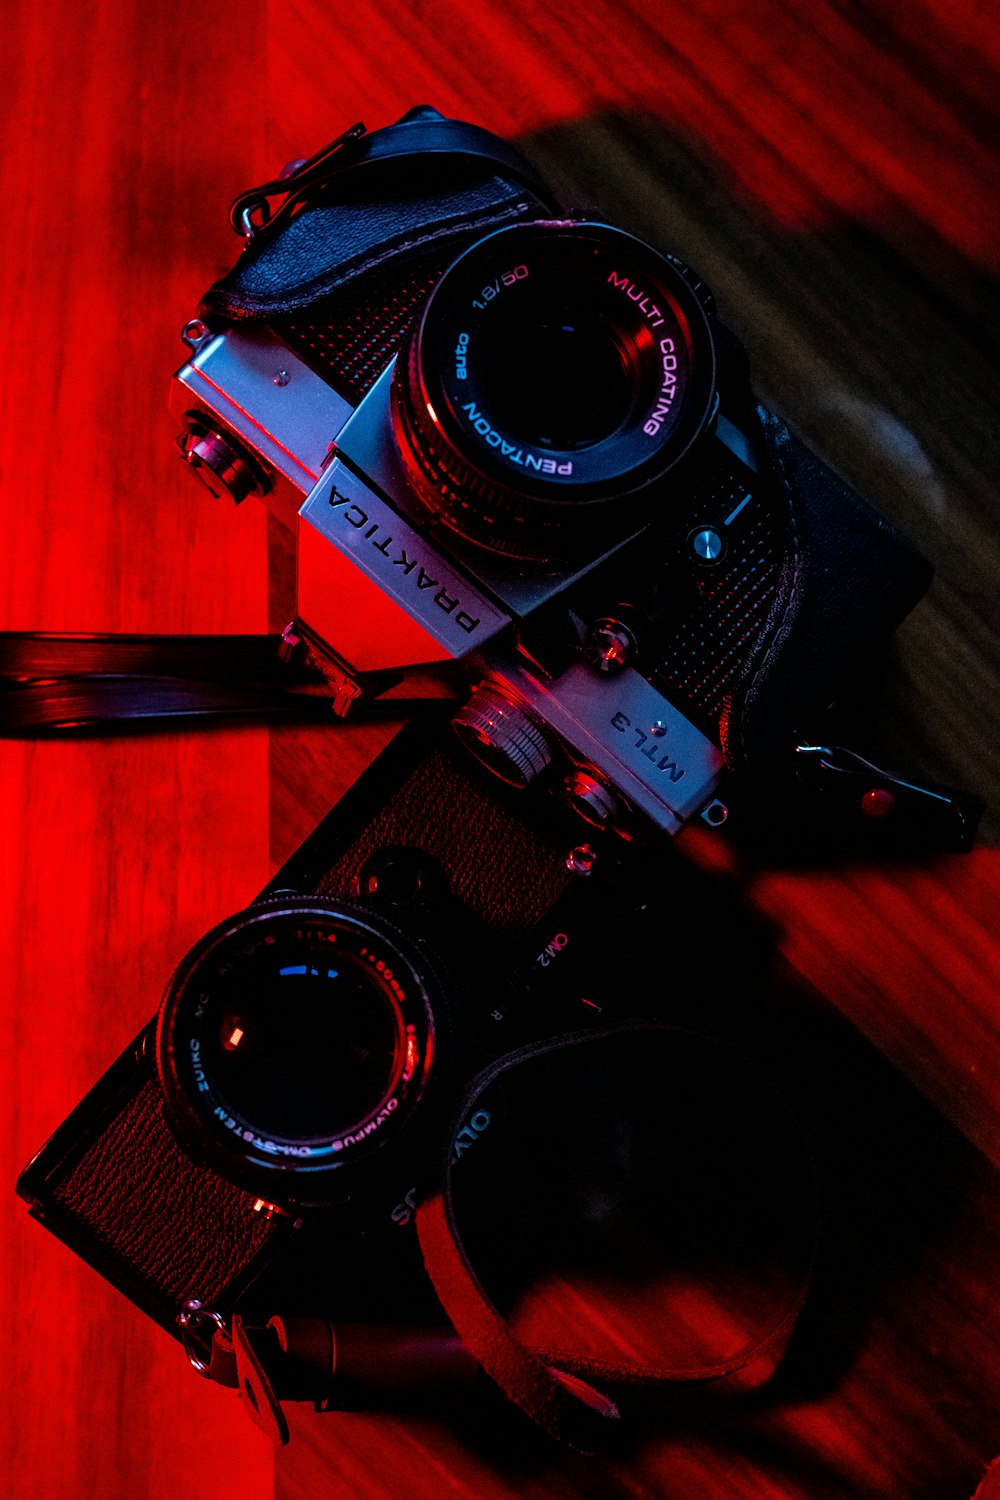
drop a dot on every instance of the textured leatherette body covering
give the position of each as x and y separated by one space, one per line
508 871
142 1201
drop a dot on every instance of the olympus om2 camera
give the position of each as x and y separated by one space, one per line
524 466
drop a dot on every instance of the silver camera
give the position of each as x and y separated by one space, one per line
523 464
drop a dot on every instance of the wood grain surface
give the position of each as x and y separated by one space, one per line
832 171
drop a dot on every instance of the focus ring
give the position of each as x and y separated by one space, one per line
559 370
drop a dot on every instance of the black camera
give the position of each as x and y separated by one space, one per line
260 1146
522 460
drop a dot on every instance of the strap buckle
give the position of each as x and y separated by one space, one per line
926 814
250 213
191 1320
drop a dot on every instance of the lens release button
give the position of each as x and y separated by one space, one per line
707 544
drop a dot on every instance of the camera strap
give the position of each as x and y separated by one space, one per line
54 683
561 1391
371 200
554 1386
421 133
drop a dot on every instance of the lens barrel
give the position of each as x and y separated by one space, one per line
294 1040
559 370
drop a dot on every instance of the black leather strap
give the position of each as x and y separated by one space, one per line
421 133
848 579
53 682
299 1359
368 201
554 1387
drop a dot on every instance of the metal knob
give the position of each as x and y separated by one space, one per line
609 646
220 464
501 735
591 798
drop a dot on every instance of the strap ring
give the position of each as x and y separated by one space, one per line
191 1320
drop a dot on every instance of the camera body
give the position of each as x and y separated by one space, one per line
515 934
524 467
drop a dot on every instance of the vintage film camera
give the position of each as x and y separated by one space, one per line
523 463
261 1146
521 457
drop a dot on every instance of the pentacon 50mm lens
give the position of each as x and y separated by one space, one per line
559 370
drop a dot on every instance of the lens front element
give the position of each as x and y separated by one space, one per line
556 369
296 1037
327 1021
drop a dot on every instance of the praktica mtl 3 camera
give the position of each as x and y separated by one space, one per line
520 454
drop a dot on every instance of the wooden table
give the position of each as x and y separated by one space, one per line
831 170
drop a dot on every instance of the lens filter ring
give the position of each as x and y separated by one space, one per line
295 1040
560 369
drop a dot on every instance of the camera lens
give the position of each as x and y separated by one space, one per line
296 1037
560 370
